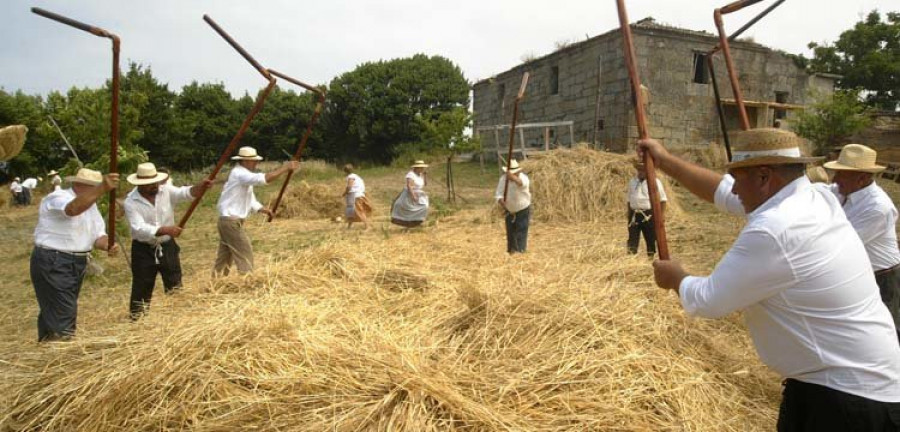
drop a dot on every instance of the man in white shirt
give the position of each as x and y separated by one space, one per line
150 211
69 227
640 213
55 180
16 189
517 206
801 276
873 215
236 203
27 187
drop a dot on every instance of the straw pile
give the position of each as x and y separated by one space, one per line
571 336
311 201
581 184
12 138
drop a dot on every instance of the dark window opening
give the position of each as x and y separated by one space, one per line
701 70
781 97
554 80
501 91
600 124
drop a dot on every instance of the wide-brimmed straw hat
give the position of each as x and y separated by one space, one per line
766 146
856 157
146 174
52 173
86 176
247 153
419 164
513 167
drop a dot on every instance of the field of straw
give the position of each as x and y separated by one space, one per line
425 330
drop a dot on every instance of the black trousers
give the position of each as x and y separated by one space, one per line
517 230
26 196
811 407
57 278
889 284
639 224
146 262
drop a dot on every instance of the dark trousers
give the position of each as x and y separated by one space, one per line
146 262
889 284
26 196
19 198
57 279
811 407
641 222
517 230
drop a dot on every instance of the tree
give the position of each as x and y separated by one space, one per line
867 57
832 120
206 118
373 109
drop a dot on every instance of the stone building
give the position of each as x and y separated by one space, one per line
587 84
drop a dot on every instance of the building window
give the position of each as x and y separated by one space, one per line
780 97
554 80
701 70
501 91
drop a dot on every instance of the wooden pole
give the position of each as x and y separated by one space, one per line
512 131
638 101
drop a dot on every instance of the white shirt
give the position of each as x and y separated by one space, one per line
56 181
15 187
237 199
873 216
145 218
30 183
359 187
517 198
418 181
639 194
58 231
800 274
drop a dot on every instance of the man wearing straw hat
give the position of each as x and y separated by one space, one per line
874 217
801 276
55 180
236 203
640 213
15 188
150 211
69 227
29 185
517 206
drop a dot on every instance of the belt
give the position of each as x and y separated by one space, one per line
231 218
75 254
887 270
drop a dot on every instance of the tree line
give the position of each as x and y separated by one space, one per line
377 113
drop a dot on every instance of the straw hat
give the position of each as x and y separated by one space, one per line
419 164
52 173
767 146
146 174
247 153
86 176
513 167
17 179
856 157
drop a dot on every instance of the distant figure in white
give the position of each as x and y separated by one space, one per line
357 206
410 208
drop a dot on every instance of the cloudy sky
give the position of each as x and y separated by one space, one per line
316 41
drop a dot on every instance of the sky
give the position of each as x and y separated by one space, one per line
317 41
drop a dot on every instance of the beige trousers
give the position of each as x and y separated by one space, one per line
234 246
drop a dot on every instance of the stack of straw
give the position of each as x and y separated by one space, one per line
312 201
12 139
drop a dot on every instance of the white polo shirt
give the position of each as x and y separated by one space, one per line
517 198
639 194
801 276
146 218
237 199
873 216
58 231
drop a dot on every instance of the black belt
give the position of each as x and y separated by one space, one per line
75 254
887 270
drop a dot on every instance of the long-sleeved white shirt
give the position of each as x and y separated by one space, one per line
237 199
801 275
639 194
15 187
517 198
58 231
30 183
874 216
145 218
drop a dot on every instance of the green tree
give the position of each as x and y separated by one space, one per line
867 57
376 108
206 118
831 120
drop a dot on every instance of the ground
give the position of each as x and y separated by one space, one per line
429 329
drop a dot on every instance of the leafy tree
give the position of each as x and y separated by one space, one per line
206 119
867 57
832 120
377 107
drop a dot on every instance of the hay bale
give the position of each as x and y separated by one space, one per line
12 139
582 184
311 201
